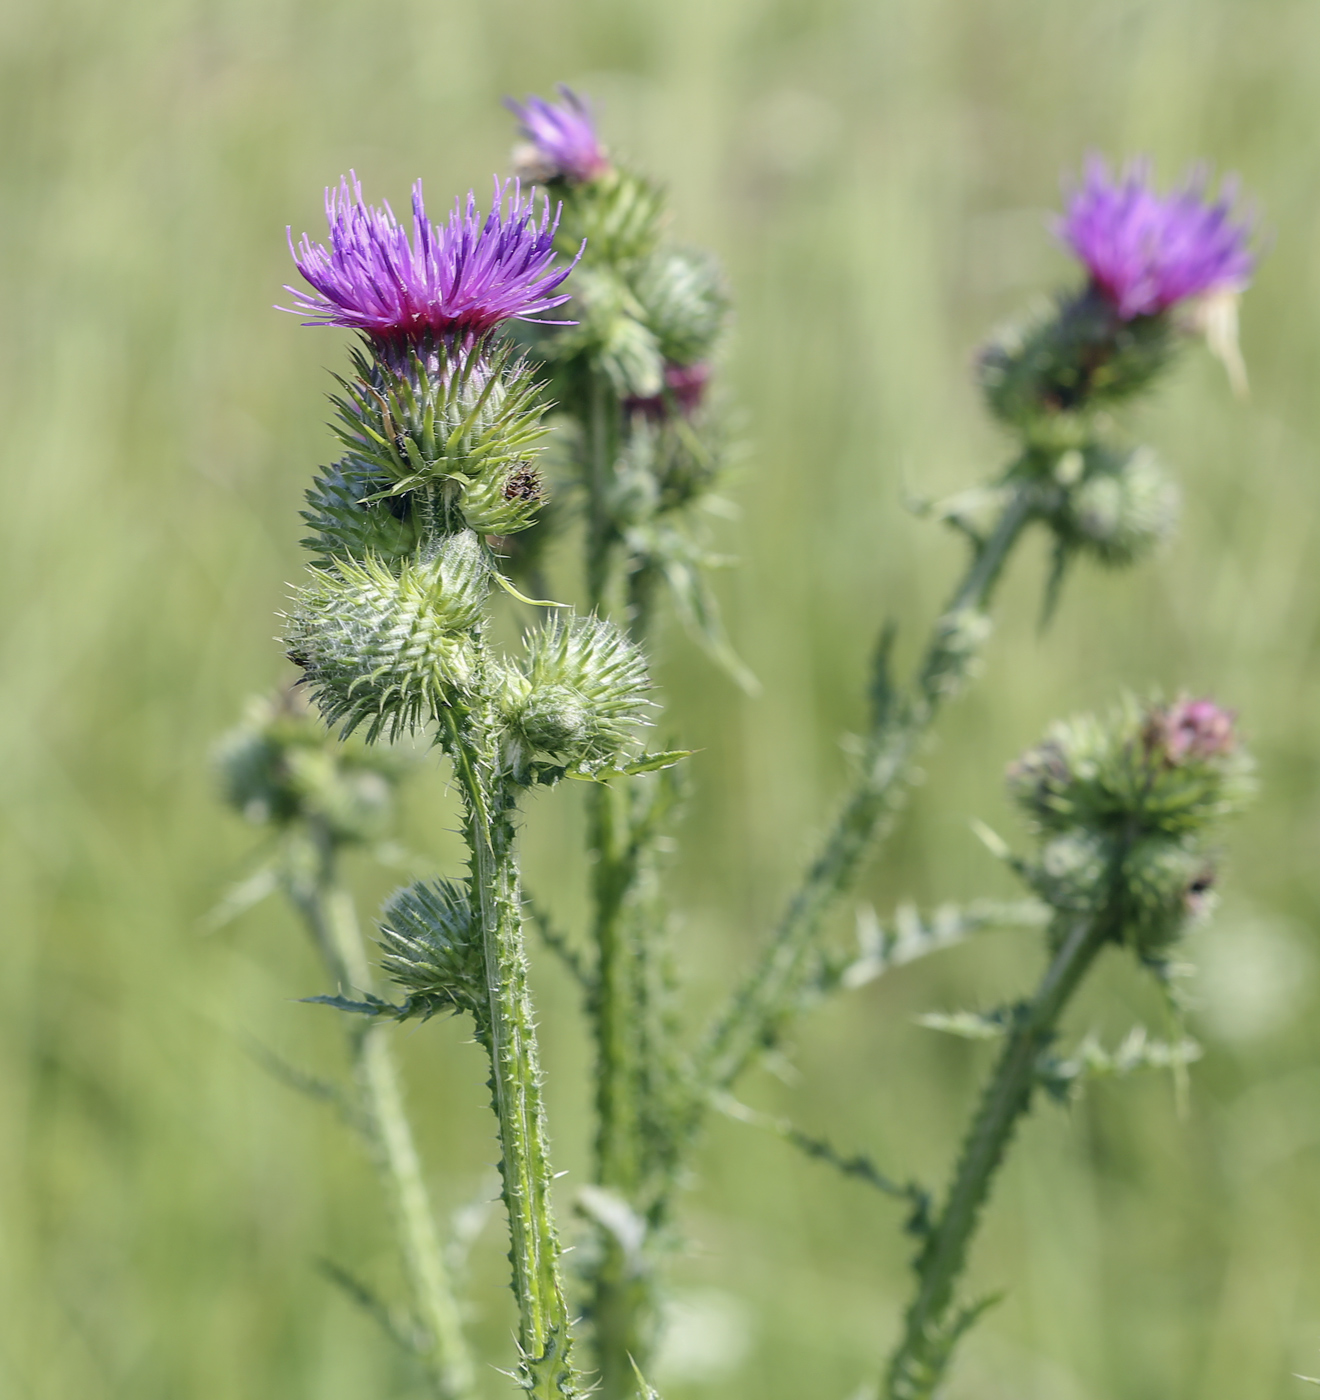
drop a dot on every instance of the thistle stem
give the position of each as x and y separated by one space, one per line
752 1016
332 919
508 1031
622 1305
929 1333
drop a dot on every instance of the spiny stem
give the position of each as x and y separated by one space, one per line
622 1303
929 1333
751 1019
509 1033
330 913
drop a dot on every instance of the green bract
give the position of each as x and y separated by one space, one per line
1045 377
439 414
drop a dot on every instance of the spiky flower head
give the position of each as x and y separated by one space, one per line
389 650
564 144
454 280
581 687
1146 252
1147 767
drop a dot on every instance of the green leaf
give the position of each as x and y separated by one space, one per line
654 762
368 1006
970 1025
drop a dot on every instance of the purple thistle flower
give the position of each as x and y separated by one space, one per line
1146 252
459 278
563 135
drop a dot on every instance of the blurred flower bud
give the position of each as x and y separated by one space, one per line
282 765
1167 884
1144 768
389 650
1191 730
1123 803
431 947
1071 872
1120 506
580 690
684 303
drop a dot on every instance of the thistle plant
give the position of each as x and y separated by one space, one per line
566 317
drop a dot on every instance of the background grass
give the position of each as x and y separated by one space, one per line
875 177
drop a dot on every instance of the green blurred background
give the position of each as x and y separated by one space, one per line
876 178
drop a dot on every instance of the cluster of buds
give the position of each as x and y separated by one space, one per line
1123 804
440 422
632 377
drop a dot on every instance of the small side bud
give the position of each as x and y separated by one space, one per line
580 691
1123 507
503 503
389 650
430 946
684 303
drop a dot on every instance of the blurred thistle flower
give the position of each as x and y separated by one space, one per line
454 279
1147 252
1190 730
684 390
563 139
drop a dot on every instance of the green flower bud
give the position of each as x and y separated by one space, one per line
1167 884
350 520
683 302
1070 873
617 214
581 688
431 946
1120 507
387 649
282 766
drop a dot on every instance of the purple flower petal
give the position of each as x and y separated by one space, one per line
564 135
459 278
1146 252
